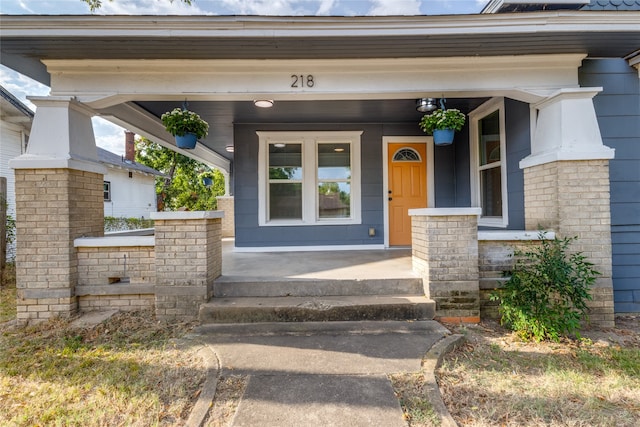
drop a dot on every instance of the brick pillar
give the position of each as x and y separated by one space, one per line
226 205
445 253
572 199
188 251
566 185
59 198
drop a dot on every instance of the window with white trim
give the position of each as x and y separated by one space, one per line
106 191
489 169
309 178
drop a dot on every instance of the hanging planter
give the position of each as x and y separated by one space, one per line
186 126
442 124
187 141
443 136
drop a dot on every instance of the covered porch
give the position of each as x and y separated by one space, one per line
323 76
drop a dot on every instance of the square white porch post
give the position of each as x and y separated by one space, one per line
444 245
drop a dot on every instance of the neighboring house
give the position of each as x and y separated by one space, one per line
15 126
129 187
551 91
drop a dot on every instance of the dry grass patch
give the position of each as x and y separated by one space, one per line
126 371
497 380
8 293
411 391
225 403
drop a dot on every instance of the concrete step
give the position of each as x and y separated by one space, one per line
363 327
236 286
317 309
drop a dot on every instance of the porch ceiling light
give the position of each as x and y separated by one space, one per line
424 105
229 148
263 103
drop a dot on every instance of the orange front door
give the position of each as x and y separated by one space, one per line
407 188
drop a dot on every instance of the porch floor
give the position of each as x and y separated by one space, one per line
315 265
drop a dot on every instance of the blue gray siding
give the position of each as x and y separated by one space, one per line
618 111
248 234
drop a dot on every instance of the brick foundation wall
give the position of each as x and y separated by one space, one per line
572 198
445 254
120 302
226 205
188 259
53 207
97 265
494 259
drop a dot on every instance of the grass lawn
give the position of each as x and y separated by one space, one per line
127 371
497 380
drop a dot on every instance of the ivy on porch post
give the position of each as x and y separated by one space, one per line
58 199
566 185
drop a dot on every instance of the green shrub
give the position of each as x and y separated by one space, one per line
547 294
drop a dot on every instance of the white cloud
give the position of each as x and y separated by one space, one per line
149 7
394 7
21 86
325 7
108 136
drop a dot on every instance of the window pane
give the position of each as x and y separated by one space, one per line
334 200
334 161
285 161
489 133
285 201
491 191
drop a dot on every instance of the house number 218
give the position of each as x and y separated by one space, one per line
302 80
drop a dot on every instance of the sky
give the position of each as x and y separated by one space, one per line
110 136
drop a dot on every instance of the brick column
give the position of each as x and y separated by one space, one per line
58 199
226 205
445 253
188 251
572 198
566 186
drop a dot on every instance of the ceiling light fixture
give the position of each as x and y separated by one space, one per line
424 105
229 148
263 103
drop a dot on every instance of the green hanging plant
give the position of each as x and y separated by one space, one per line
441 119
180 122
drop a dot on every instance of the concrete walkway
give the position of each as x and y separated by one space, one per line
320 373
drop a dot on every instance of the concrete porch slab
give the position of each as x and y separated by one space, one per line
314 265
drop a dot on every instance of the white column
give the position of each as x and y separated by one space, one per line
566 128
61 137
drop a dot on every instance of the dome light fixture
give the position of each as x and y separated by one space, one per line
263 103
230 148
424 105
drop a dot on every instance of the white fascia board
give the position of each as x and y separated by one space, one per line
160 27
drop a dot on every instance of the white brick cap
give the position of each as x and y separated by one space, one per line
445 211
187 215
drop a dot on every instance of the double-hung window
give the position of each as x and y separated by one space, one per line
309 178
488 167
106 191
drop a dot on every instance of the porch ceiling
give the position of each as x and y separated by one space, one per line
221 115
